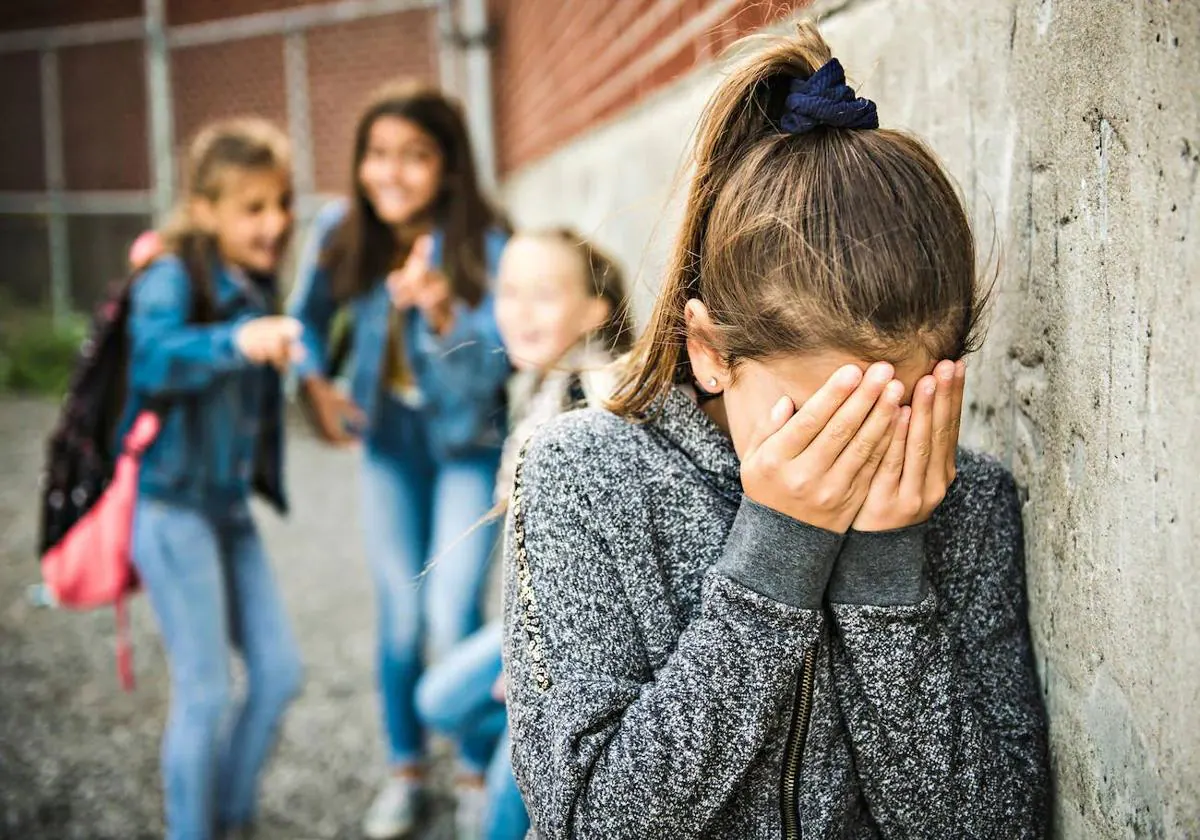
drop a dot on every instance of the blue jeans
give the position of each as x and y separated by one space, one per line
455 698
211 586
428 548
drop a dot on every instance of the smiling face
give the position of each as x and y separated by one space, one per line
543 305
250 216
400 172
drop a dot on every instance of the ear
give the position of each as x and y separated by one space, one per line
203 213
706 361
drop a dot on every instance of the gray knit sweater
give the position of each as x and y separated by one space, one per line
685 663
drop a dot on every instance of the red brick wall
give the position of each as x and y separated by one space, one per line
345 64
33 14
22 161
105 134
562 67
196 11
234 78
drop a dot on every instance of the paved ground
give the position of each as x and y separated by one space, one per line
79 758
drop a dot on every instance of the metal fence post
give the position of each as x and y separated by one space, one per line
158 88
52 145
299 119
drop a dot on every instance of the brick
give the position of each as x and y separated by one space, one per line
198 11
99 247
105 136
236 78
346 63
22 157
554 80
35 14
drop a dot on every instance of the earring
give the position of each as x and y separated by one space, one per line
712 383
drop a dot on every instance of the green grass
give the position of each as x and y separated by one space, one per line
36 354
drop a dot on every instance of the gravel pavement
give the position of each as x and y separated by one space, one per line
79 757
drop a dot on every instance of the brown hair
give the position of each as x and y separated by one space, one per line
604 280
846 239
246 143
363 247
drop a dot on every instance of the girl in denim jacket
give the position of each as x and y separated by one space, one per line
411 254
204 351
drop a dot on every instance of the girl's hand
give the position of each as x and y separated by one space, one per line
332 411
815 464
417 284
498 688
919 465
270 340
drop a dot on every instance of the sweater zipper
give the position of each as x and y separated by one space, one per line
794 753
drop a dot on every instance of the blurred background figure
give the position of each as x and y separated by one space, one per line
205 354
413 254
563 314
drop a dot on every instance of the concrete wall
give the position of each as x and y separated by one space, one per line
1073 127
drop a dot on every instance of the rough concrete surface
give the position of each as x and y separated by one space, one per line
1073 128
79 758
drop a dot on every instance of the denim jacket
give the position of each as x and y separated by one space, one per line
460 375
222 432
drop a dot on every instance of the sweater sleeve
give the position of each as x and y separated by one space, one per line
606 744
942 707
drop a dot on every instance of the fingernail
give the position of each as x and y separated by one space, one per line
945 372
849 375
782 407
882 372
960 368
929 387
894 391
905 413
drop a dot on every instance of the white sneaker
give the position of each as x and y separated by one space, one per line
469 811
393 814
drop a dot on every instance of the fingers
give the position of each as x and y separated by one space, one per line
288 327
919 446
945 424
892 465
422 251
351 413
845 423
780 412
401 289
866 450
807 422
884 483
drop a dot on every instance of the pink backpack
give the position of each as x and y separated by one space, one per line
89 486
91 565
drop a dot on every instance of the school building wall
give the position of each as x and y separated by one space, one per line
81 169
1073 129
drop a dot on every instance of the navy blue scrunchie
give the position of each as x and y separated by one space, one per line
824 98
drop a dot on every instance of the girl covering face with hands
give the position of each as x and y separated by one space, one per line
765 595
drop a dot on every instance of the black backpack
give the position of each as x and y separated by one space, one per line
82 450
80 455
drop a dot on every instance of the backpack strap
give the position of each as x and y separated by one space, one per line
124 644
